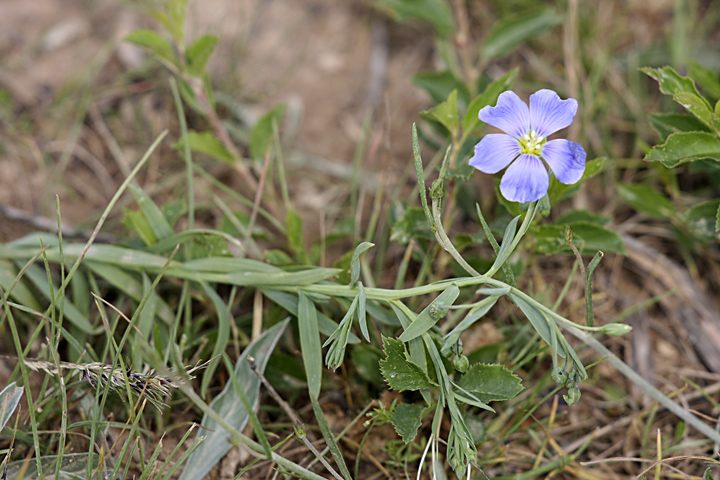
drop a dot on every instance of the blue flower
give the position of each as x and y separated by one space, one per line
525 141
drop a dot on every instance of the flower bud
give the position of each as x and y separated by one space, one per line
616 329
461 363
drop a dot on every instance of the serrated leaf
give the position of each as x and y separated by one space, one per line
647 200
435 12
153 41
431 314
230 408
508 33
685 147
488 97
198 54
671 82
399 372
262 133
207 143
446 113
407 419
539 321
665 124
491 383
699 107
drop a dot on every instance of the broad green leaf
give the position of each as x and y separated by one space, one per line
435 12
706 78
137 222
230 408
702 220
559 191
431 314
588 237
507 34
439 85
671 82
366 361
699 107
153 41
446 113
9 399
685 147
489 97
355 261
198 54
573 216
647 200
491 383
310 343
413 224
665 124
539 321
295 235
207 143
399 372
407 419
261 136
156 220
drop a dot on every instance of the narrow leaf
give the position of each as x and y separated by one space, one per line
362 315
489 96
355 262
9 399
229 406
508 33
589 316
310 343
539 322
198 54
431 314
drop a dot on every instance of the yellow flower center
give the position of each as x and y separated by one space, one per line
531 143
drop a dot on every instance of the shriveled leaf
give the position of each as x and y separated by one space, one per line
491 382
399 372
685 147
509 33
407 419
647 200
229 406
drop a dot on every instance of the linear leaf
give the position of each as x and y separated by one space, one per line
310 343
539 322
431 314
229 406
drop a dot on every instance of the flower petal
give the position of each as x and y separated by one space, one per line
566 159
494 152
548 113
510 115
526 180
